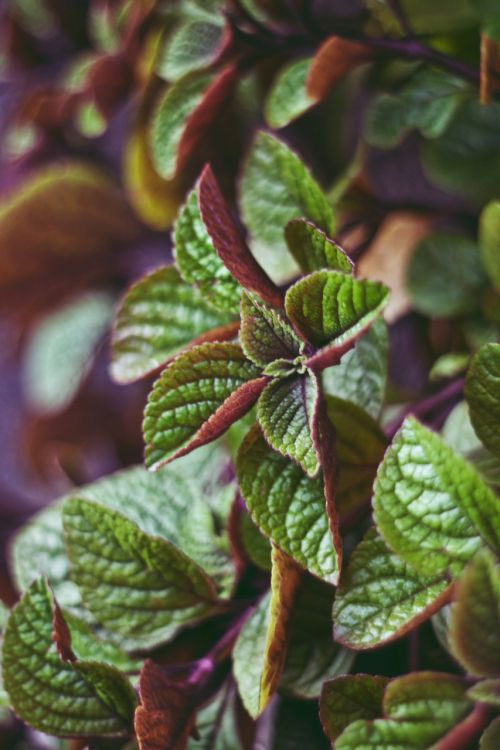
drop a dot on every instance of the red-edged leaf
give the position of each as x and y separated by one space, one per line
229 244
334 59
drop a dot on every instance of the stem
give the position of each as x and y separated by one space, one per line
428 405
468 730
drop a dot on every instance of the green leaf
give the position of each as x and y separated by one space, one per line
60 351
381 598
313 656
463 159
431 505
331 308
191 46
287 506
217 724
427 103
475 620
159 316
457 279
313 250
286 411
277 187
196 399
489 16
425 16
260 651
56 696
420 709
89 646
256 545
138 586
489 241
198 261
288 98
486 691
490 739
449 365
349 698
459 433
265 335
361 376
482 391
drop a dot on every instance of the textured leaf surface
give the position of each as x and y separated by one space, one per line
381 598
138 586
313 250
420 709
286 412
331 308
193 45
482 391
456 280
489 236
198 261
276 188
288 98
348 698
265 335
287 506
361 376
79 698
475 620
260 651
197 398
158 316
431 505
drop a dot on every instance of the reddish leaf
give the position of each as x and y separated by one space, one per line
61 635
334 59
229 244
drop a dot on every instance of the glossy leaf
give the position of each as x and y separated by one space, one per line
381 598
287 506
489 241
265 335
313 249
288 98
277 187
62 697
191 46
348 698
198 262
431 505
482 391
475 620
286 412
159 316
196 399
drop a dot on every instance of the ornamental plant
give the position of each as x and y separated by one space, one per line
307 552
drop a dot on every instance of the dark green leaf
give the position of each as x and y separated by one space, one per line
349 698
313 250
288 97
489 240
256 545
265 335
482 391
490 739
216 724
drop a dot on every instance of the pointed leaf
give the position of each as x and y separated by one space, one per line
62 698
333 309
286 411
159 316
489 241
260 651
381 598
475 620
198 261
230 245
191 46
482 391
490 739
200 394
277 187
430 505
287 506
313 250
265 335
288 98
349 698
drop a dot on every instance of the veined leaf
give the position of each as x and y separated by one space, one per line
260 651
475 619
331 309
381 598
198 261
489 241
138 586
287 506
313 250
286 412
191 46
63 697
159 316
197 398
361 375
482 391
431 505
288 98
265 335
348 698
276 188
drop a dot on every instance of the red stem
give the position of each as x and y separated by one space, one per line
468 730
428 405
